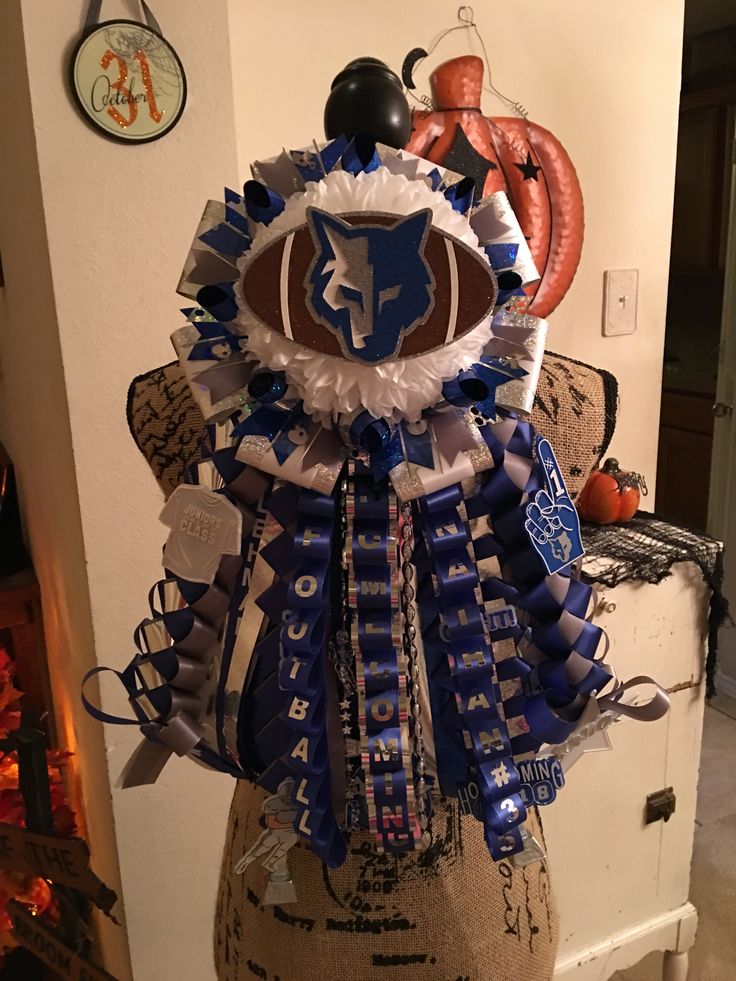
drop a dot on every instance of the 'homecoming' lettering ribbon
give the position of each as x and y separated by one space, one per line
381 673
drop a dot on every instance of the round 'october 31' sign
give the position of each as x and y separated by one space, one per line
127 79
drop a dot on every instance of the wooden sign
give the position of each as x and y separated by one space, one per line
33 934
63 860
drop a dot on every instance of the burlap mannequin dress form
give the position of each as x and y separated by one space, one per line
450 914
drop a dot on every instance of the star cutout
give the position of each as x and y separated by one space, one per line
464 159
529 169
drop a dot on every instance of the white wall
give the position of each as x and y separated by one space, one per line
87 310
35 427
604 77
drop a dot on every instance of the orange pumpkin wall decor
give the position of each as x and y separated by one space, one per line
507 154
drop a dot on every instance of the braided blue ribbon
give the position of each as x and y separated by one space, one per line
563 642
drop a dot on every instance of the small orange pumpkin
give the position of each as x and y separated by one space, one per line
610 494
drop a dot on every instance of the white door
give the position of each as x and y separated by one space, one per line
722 498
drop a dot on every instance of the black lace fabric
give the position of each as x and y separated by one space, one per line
645 549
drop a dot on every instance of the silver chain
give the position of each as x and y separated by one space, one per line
409 610
343 660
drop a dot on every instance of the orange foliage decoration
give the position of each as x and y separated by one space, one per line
31 890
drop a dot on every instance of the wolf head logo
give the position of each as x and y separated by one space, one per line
370 284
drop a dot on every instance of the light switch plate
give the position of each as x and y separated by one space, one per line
620 293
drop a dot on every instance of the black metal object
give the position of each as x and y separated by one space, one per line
367 97
660 805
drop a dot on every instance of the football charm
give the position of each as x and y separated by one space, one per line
369 287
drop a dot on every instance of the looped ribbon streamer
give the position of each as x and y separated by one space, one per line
170 679
655 708
562 643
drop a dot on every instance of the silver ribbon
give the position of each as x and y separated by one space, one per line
519 338
203 265
218 387
602 712
495 223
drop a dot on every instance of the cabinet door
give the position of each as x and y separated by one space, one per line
609 870
698 181
683 461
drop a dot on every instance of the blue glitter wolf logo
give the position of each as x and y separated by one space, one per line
370 284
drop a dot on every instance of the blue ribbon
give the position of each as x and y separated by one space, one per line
502 255
212 332
227 240
555 694
262 203
472 667
301 673
460 195
360 155
276 425
218 299
385 722
418 447
451 756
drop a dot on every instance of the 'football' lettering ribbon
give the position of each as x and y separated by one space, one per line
302 675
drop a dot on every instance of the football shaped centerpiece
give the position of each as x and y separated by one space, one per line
369 287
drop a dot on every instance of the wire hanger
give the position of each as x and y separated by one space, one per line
466 18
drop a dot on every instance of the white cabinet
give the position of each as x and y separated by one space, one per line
621 884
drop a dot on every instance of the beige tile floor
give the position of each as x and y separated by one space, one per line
713 883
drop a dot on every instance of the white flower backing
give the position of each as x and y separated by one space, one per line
329 385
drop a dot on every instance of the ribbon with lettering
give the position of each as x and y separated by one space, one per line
302 675
472 666
380 663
